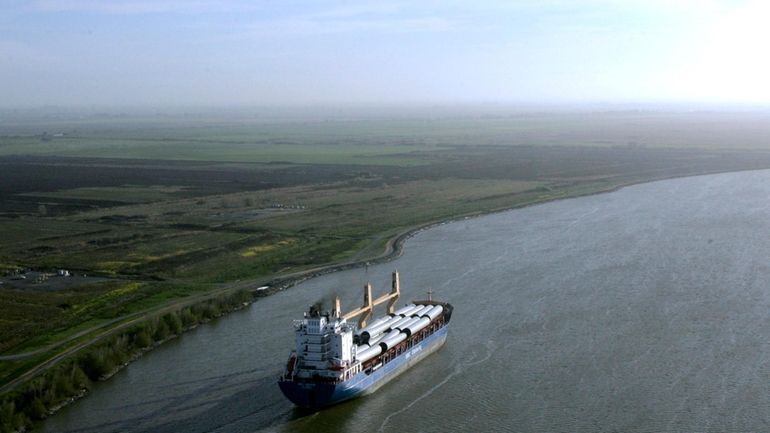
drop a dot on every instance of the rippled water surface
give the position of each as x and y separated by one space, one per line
646 309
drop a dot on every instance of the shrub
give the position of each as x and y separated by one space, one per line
161 331
210 310
78 378
142 338
10 419
96 364
174 322
37 409
62 382
188 318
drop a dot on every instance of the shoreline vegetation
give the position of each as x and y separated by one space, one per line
169 227
394 246
72 378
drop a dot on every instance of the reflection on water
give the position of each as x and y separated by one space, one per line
647 309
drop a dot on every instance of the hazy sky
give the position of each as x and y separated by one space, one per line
176 52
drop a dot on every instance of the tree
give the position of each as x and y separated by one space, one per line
62 381
142 338
38 409
173 322
79 378
96 364
188 318
11 420
161 331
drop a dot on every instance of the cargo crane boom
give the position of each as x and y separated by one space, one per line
366 310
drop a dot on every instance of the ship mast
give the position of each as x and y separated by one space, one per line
366 310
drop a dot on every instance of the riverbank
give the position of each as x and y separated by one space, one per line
394 246
31 405
637 269
70 379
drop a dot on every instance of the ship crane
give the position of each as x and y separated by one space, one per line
365 312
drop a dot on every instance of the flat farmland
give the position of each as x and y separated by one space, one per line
161 210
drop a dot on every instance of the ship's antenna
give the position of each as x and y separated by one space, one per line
430 294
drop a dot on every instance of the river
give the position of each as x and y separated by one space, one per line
644 309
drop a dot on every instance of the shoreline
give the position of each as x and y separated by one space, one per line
395 245
394 248
85 388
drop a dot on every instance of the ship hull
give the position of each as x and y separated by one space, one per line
317 395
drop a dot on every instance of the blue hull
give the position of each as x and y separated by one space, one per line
315 395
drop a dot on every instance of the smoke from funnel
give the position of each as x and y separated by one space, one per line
326 302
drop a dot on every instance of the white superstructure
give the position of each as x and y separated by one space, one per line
324 345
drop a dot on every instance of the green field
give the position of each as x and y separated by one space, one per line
351 137
124 193
213 150
164 211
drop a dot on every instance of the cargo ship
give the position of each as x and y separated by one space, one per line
335 360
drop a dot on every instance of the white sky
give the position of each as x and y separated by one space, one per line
174 52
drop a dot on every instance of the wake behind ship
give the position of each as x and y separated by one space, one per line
335 360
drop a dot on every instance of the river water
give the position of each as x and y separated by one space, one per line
645 309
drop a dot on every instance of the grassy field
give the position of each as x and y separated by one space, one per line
214 149
261 137
123 193
170 209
